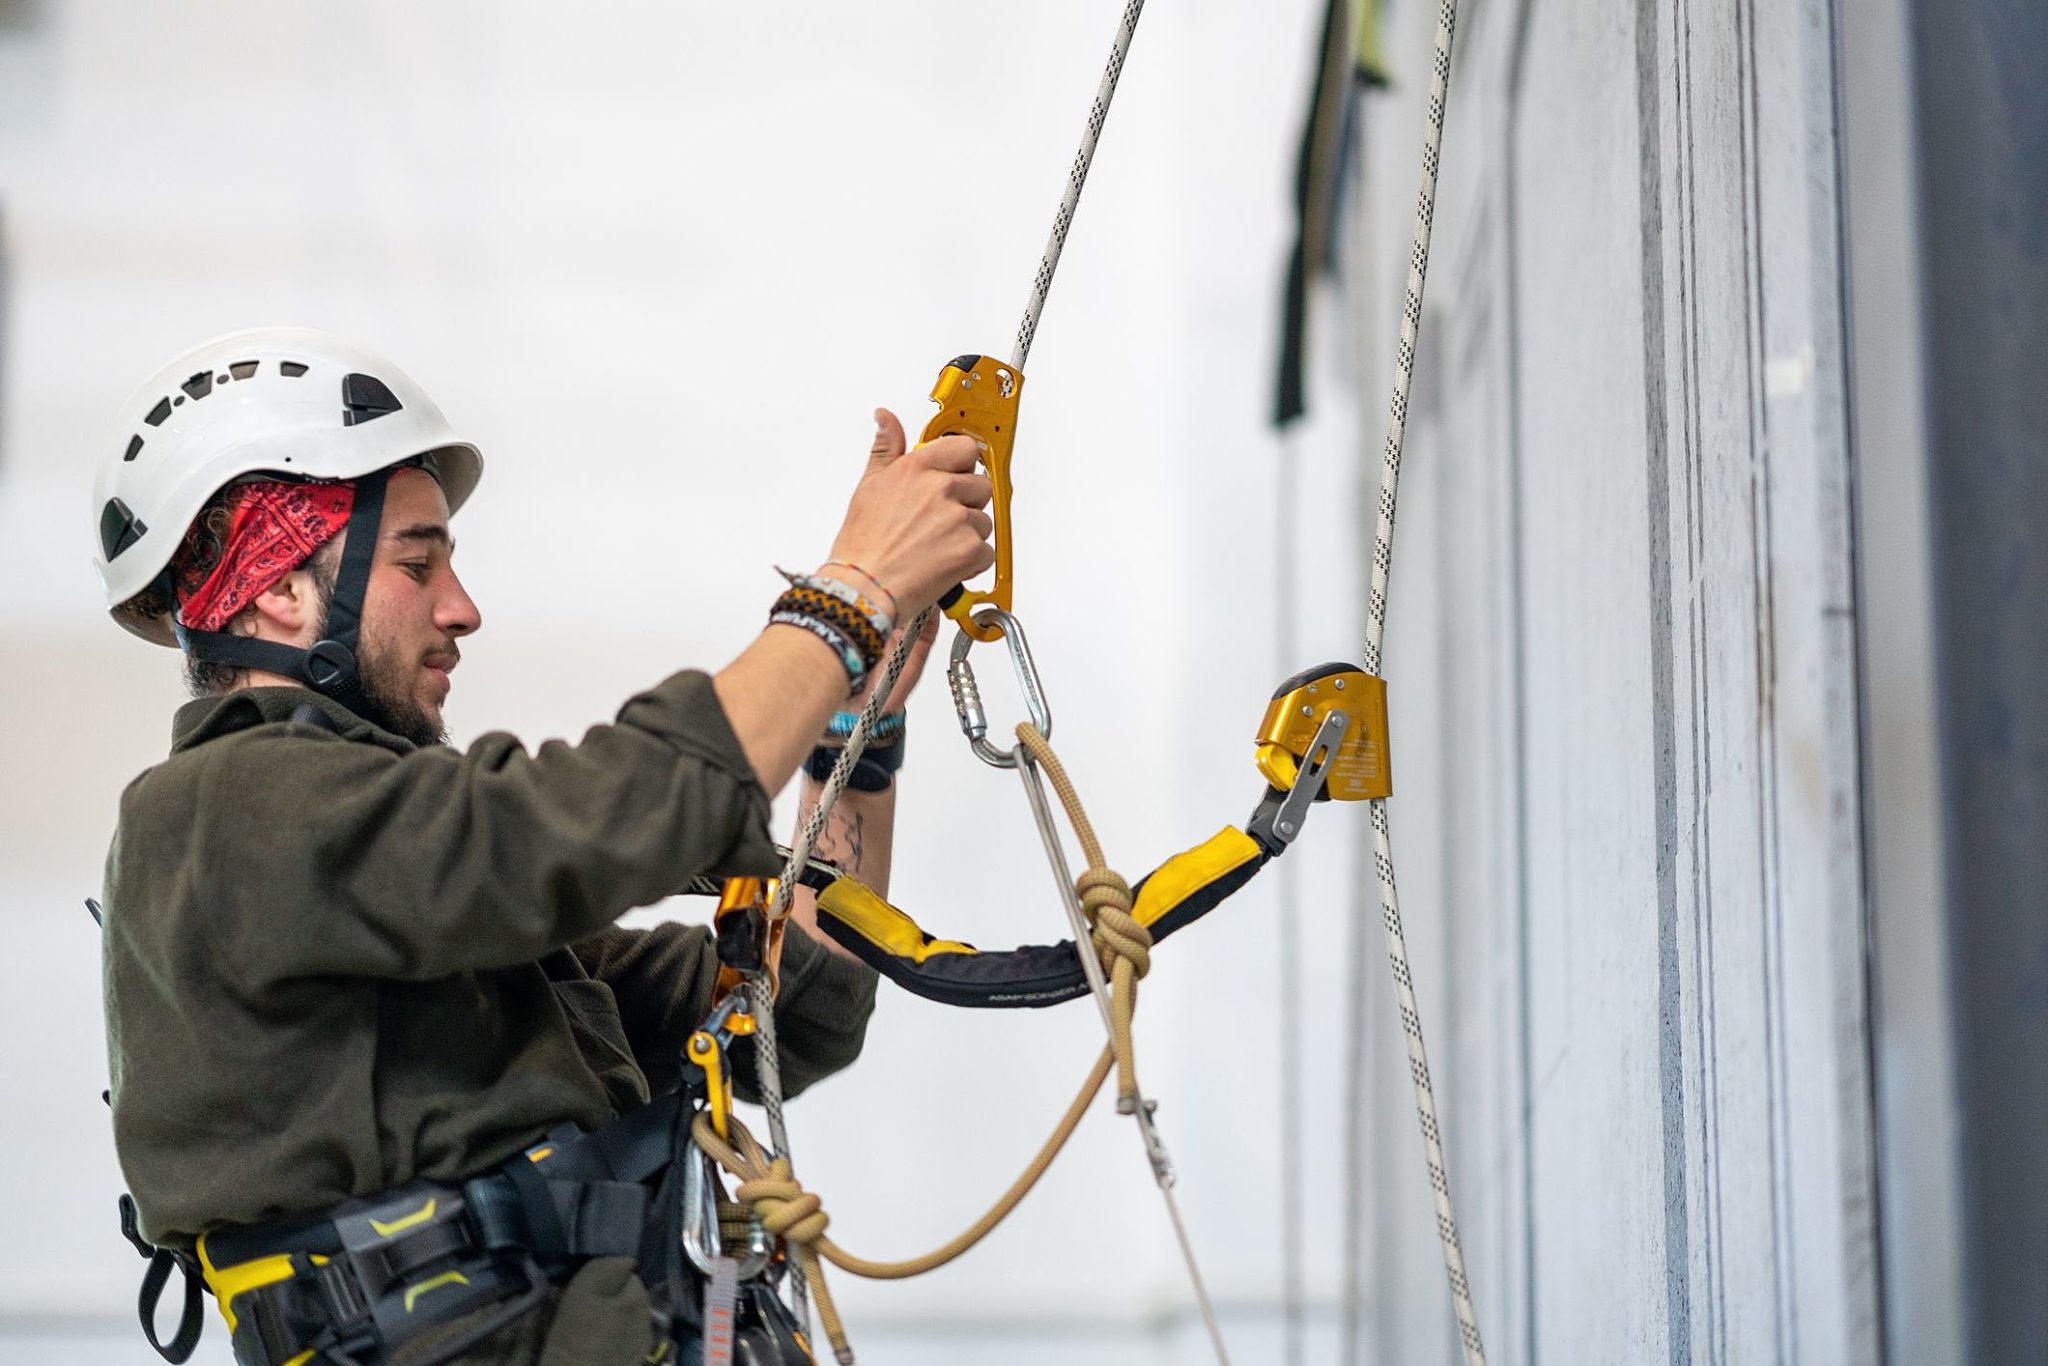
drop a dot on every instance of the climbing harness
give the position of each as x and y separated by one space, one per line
374 1277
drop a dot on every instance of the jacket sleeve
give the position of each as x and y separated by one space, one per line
335 857
663 977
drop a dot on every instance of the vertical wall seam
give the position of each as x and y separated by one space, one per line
1664 780
1511 312
1875 1340
1770 833
1706 955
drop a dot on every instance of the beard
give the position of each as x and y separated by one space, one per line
384 702
381 677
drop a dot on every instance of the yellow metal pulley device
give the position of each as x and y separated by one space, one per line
977 397
1360 767
749 943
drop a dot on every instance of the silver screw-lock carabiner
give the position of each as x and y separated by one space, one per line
967 693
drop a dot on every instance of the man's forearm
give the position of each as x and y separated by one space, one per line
777 697
859 836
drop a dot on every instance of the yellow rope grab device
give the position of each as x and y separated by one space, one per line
1323 737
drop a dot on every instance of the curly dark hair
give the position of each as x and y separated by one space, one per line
204 544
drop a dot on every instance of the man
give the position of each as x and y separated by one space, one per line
341 957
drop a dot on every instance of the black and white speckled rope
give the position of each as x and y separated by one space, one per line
1376 621
767 1054
1098 114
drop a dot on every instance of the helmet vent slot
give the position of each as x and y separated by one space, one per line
200 385
119 528
159 413
242 369
365 398
134 448
290 369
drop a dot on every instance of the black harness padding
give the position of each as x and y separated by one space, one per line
1028 977
330 667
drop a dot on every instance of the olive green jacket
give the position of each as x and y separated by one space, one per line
335 962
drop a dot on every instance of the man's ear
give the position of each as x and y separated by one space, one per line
287 610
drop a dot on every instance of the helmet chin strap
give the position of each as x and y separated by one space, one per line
330 666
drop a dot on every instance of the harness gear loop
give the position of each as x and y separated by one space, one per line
967 692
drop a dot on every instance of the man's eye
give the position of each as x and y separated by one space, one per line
419 569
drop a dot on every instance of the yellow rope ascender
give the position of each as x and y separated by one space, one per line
1323 737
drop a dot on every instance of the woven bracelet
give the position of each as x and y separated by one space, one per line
849 656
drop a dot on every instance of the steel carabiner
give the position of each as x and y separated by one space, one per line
967 693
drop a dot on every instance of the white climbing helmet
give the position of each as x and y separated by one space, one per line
288 401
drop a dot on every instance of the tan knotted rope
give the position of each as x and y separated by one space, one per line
768 1184
770 1188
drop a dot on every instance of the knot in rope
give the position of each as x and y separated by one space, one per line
787 1210
1107 900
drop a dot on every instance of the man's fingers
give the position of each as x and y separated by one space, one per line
971 490
953 454
889 442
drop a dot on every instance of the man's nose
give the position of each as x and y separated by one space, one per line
457 612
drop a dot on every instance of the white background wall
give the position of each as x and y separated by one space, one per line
660 262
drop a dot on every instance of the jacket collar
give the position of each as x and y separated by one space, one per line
208 718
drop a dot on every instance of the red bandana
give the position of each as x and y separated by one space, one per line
272 528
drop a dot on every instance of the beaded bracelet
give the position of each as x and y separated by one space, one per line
887 730
880 587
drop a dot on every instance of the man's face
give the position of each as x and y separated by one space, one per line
414 612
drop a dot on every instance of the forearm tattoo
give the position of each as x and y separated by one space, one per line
844 839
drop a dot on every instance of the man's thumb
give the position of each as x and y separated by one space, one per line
889 442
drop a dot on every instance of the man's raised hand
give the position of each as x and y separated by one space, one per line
917 521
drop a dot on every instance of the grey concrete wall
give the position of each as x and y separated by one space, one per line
1623 661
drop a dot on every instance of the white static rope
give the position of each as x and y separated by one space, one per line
768 1061
1098 114
1376 621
